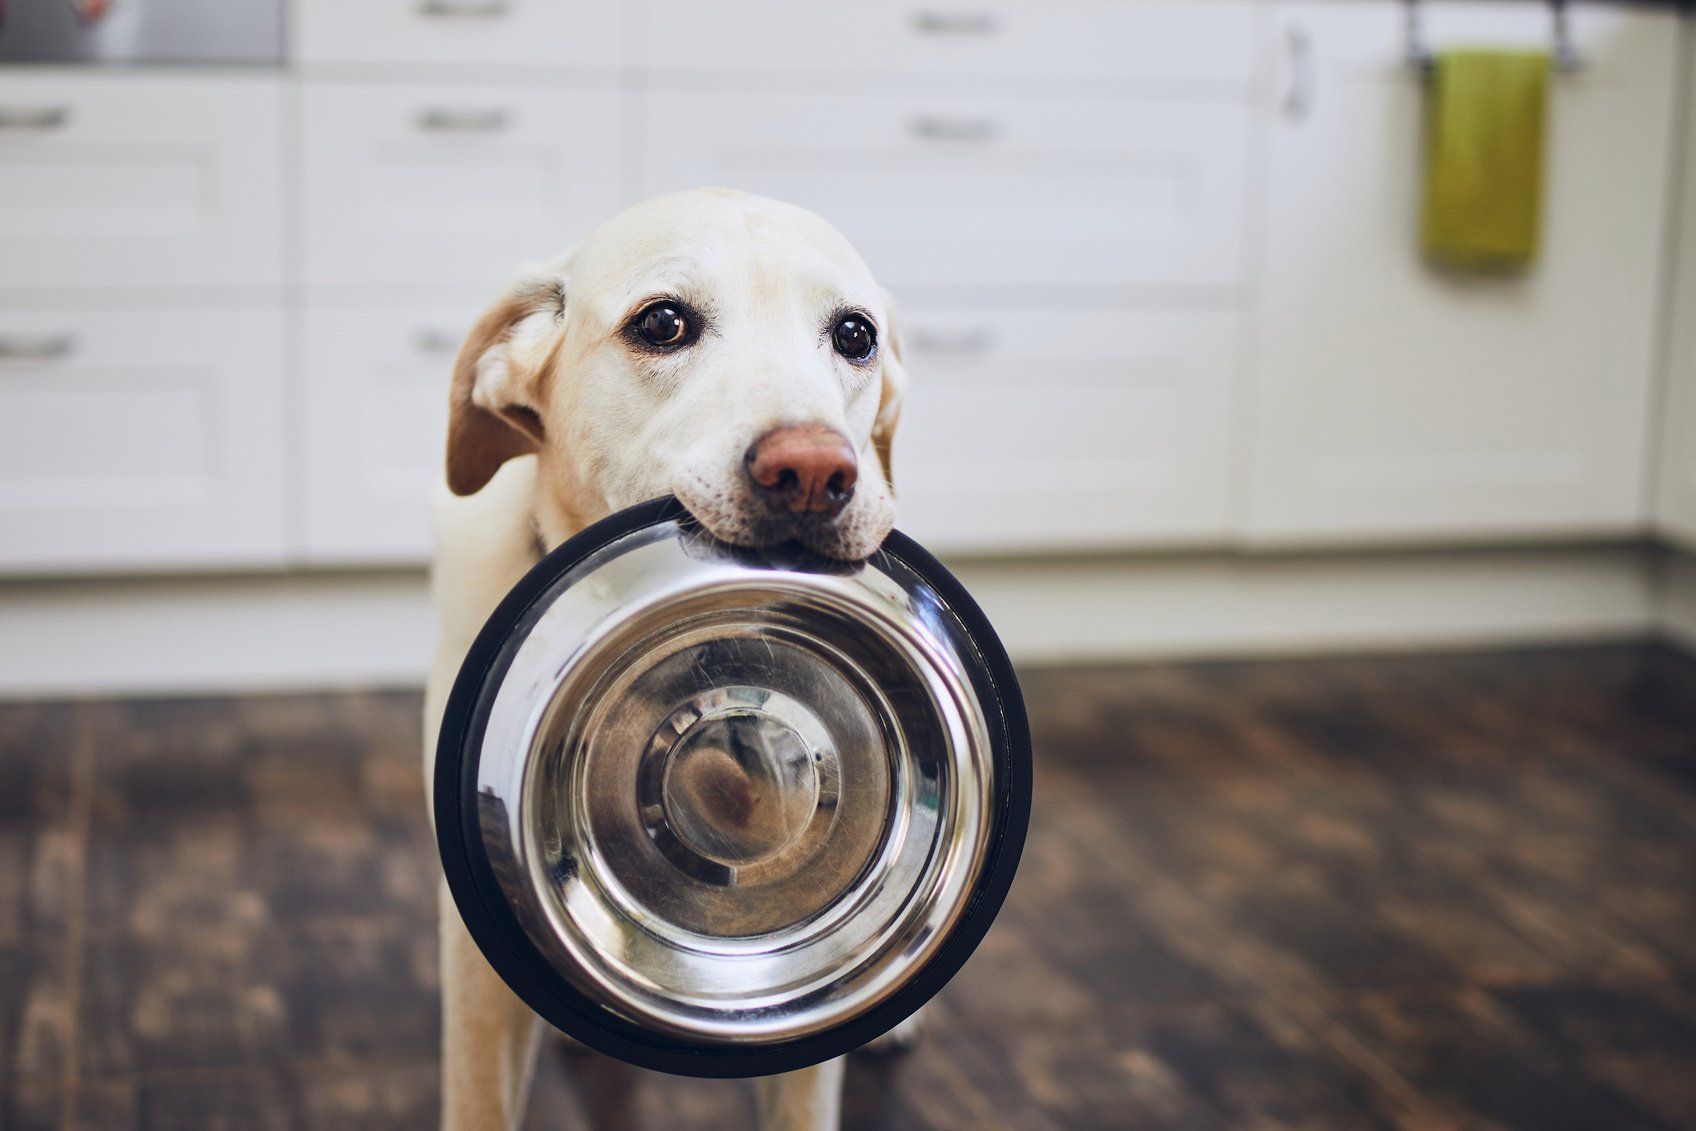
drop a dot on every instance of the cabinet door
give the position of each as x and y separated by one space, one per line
376 429
1033 429
961 191
412 184
1675 495
1392 402
1196 44
140 440
119 181
541 33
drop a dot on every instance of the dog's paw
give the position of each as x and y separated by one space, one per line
898 1040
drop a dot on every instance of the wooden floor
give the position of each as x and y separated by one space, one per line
1367 893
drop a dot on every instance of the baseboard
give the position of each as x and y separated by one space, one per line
317 630
221 634
1229 605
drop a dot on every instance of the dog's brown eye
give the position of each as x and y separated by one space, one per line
854 338
663 324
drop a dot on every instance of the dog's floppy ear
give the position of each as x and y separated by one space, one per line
494 406
894 388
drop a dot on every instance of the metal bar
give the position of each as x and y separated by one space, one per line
974 340
448 120
36 347
435 341
933 127
34 117
1564 53
956 23
463 9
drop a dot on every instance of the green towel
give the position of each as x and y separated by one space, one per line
1485 119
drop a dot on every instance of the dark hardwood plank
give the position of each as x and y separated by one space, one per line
330 992
1542 1058
36 744
32 1105
36 1010
1410 892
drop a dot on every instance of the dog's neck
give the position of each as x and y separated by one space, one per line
538 541
558 511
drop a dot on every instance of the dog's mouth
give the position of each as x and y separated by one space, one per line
819 536
847 537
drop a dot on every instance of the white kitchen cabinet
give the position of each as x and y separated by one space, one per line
376 428
459 33
1065 429
140 439
1675 495
410 184
1389 402
120 180
1124 440
962 191
1204 45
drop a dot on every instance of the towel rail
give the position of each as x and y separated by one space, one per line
1565 54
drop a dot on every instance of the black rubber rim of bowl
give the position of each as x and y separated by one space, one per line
495 928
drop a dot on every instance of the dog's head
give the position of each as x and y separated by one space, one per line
728 349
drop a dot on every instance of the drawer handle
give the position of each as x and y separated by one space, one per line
441 119
463 9
435 341
973 341
34 117
36 347
956 23
933 127
1298 100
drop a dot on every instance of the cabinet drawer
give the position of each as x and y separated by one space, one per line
140 440
1190 41
138 182
411 184
458 32
376 429
960 191
1041 430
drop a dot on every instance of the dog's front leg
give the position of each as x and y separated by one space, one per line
807 1100
489 1037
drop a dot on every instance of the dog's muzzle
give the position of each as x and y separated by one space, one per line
730 812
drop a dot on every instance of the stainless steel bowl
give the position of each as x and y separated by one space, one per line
729 812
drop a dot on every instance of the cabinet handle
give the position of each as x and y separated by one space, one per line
1298 100
955 23
441 119
435 341
933 127
36 347
463 9
34 117
976 340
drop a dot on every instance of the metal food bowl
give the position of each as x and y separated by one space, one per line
730 812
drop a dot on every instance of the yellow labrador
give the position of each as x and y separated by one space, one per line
728 349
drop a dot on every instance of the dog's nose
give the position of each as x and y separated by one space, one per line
806 469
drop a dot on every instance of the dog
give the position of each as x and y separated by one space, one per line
728 349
